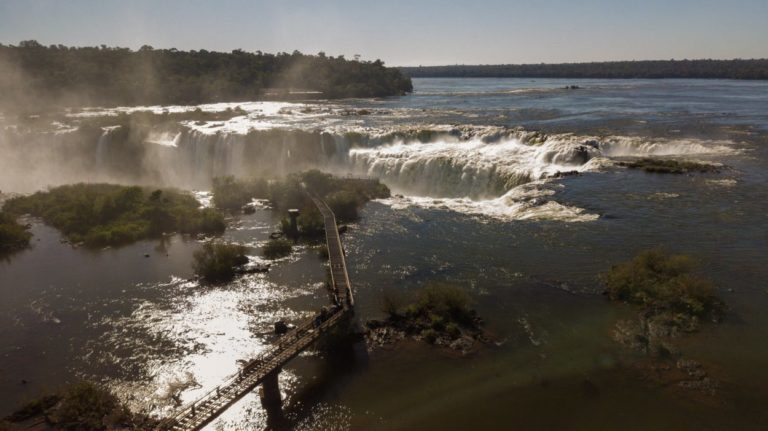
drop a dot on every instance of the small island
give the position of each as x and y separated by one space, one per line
345 197
661 166
99 215
440 314
673 301
219 261
82 406
277 248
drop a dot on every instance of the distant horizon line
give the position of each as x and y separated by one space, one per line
581 62
399 66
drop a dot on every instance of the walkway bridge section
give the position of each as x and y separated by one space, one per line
265 368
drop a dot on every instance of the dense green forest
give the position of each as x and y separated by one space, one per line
707 69
32 74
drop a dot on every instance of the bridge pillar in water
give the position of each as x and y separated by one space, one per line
270 391
272 401
294 214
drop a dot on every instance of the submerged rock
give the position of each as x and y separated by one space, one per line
463 344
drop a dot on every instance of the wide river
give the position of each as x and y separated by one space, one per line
474 205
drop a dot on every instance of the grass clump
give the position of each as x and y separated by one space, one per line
219 261
109 214
13 236
660 281
83 407
660 166
277 248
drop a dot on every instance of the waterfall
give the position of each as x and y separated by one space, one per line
477 163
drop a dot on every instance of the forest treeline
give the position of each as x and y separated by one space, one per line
32 74
703 69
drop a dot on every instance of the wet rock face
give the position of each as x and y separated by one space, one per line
653 333
705 385
377 335
691 368
462 344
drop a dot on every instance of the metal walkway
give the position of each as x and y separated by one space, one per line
340 284
201 412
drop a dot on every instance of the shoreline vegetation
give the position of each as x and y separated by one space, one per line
749 69
82 406
14 236
440 314
99 215
38 75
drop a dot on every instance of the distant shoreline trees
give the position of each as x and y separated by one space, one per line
756 69
32 75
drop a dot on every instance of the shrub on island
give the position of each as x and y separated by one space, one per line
673 300
219 261
109 214
231 194
440 314
345 196
277 248
344 205
661 281
13 235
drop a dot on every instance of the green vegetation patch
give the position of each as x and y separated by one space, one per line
660 281
440 313
83 407
277 248
659 166
13 235
219 261
232 195
108 214
345 196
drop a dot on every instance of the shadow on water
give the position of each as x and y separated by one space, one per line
343 354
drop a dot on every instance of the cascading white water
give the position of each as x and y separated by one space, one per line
480 170
476 169
102 148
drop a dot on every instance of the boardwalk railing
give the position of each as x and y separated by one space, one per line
339 276
194 416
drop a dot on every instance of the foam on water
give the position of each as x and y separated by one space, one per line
526 202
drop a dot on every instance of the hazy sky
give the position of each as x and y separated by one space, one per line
409 32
